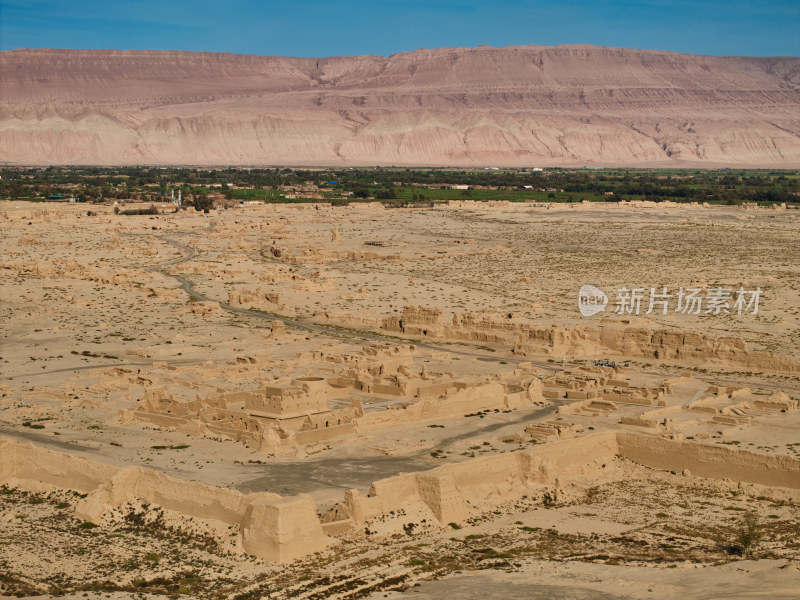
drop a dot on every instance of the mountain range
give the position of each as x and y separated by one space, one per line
484 106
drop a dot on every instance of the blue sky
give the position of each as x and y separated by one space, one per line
329 28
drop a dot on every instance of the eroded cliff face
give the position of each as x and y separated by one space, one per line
515 106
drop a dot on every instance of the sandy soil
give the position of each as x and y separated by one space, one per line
98 311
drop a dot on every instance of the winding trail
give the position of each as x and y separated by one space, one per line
190 289
44 439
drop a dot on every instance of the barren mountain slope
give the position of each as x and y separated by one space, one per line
530 105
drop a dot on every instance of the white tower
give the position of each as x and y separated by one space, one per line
180 201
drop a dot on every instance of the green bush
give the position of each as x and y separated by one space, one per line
749 533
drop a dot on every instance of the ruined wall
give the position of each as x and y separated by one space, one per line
416 320
456 401
660 344
711 460
282 529
303 397
24 465
385 496
456 491
324 433
273 527
439 492
196 499
629 341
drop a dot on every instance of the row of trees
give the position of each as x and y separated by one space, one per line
93 184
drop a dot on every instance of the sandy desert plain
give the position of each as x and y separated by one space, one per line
307 401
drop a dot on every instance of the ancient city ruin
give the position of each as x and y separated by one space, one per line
265 390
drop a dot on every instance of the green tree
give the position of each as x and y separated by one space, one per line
201 201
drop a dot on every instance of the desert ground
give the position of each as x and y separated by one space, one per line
316 401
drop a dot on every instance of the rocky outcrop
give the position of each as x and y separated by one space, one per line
512 106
